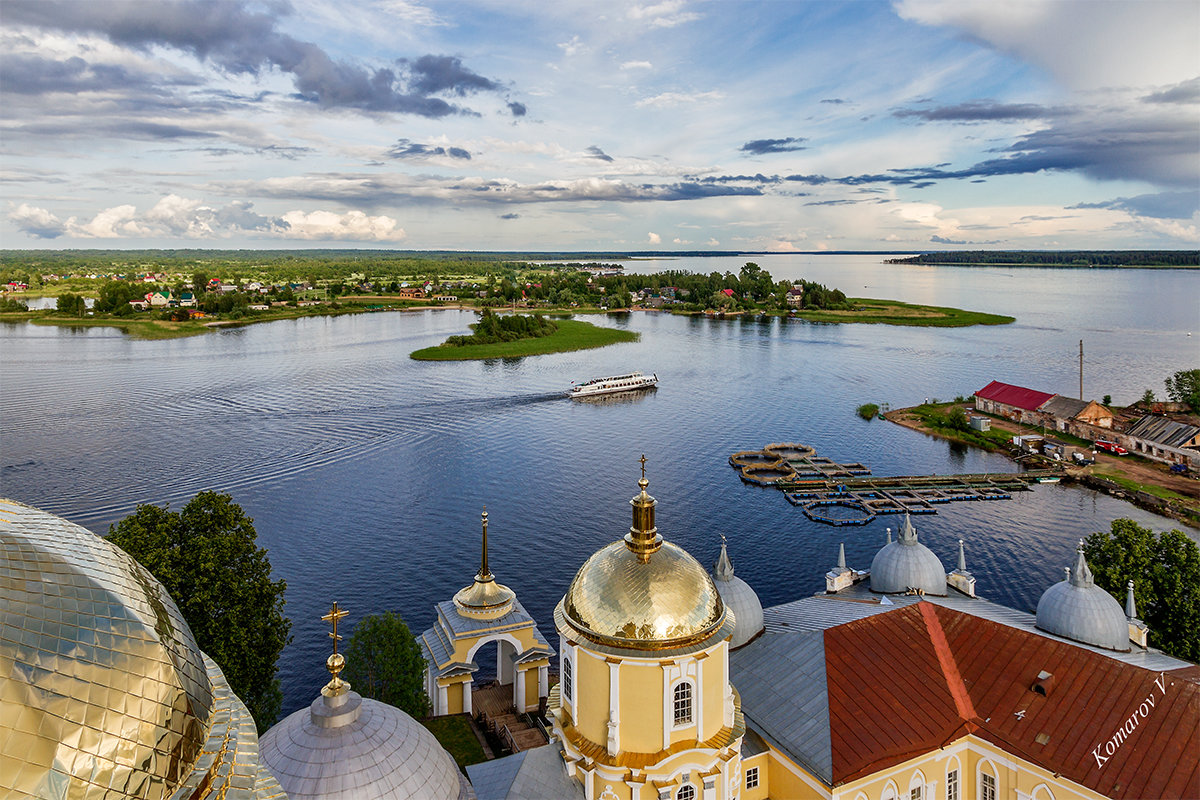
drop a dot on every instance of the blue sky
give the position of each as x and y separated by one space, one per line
906 125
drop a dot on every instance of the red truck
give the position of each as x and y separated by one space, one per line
1110 447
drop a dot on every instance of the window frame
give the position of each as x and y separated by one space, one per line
689 704
751 777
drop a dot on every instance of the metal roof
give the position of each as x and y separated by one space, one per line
1163 431
791 711
536 774
1016 396
1063 407
954 672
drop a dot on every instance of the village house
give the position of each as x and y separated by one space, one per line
795 296
410 293
158 299
1165 440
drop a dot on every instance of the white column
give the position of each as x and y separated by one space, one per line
443 700
614 705
467 697
667 720
543 681
698 699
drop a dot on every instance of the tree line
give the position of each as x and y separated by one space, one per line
1061 258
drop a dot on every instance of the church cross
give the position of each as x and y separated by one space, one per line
643 460
333 616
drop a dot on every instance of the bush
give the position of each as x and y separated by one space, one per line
868 410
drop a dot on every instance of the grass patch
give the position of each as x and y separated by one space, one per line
868 411
571 335
455 735
150 328
1118 477
935 417
137 328
893 312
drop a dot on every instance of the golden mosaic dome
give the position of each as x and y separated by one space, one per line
643 593
104 691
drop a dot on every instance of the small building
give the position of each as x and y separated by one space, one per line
187 300
410 293
1165 440
1011 402
795 296
158 299
979 423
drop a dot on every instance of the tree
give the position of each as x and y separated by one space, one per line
1107 401
1165 570
1184 387
206 557
1148 396
70 304
384 662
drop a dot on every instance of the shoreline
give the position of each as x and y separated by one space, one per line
1133 473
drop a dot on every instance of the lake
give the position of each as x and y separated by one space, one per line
365 471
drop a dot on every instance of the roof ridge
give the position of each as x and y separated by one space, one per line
941 647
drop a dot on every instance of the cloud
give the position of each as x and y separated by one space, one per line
1161 150
572 46
712 242
666 14
516 109
668 99
760 147
412 13
354 226
1163 205
943 240
176 217
241 40
837 101
595 152
1156 42
627 65
979 111
510 216
1186 92
406 149
37 222
371 190
654 238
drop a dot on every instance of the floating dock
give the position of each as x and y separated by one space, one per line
843 494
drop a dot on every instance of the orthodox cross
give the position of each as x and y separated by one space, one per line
643 460
333 616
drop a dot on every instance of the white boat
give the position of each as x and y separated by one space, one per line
629 382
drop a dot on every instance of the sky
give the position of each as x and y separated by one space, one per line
614 126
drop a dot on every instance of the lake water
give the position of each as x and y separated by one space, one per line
365 471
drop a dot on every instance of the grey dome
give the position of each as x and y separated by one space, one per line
349 747
738 598
1078 609
907 564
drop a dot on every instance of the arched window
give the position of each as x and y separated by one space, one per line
987 781
686 792
683 703
567 680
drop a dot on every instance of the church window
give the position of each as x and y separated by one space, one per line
686 792
683 703
914 793
987 787
567 680
952 785
752 778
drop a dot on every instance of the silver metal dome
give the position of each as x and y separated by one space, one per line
1076 608
348 747
738 598
906 564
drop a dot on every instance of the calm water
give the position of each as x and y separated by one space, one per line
366 471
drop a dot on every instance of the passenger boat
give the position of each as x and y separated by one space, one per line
629 382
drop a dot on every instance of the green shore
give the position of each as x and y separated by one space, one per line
571 335
893 312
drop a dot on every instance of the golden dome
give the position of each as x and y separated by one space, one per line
668 601
643 593
105 693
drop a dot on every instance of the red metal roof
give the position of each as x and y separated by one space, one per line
1016 396
915 679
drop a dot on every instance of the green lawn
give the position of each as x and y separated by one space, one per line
893 312
454 733
571 335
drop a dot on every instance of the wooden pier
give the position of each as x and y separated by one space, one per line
847 494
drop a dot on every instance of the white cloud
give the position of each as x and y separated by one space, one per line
677 240
666 14
411 13
111 223
37 222
712 242
668 99
354 226
572 47
1085 44
636 65
654 238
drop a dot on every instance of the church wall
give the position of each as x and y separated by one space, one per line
785 779
641 686
715 687
762 763
591 694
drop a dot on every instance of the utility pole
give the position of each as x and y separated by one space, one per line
1081 369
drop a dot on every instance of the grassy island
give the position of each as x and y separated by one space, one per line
570 335
893 312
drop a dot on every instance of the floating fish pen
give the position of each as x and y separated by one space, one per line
820 511
790 450
754 458
766 474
